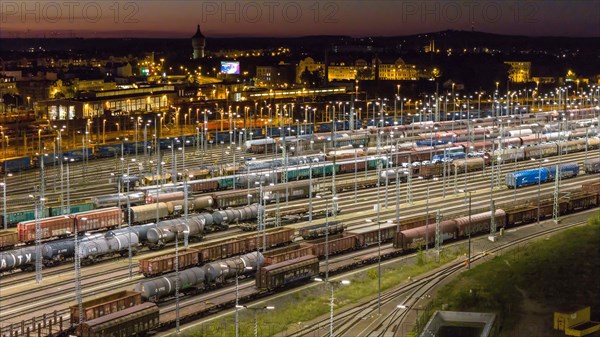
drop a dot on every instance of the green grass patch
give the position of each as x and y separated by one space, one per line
308 304
560 271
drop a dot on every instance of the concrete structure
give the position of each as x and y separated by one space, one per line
456 321
198 43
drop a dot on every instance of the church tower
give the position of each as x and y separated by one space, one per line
198 43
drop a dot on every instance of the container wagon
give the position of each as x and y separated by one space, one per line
592 165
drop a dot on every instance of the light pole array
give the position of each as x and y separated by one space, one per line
255 310
237 299
331 301
4 187
469 249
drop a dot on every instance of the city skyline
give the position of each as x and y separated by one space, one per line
177 19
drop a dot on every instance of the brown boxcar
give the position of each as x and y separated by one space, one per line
222 249
166 263
58 226
287 272
480 222
435 170
273 237
416 221
204 185
8 239
470 164
370 235
520 215
541 150
284 254
98 219
134 321
336 245
417 237
582 200
591 187
106 305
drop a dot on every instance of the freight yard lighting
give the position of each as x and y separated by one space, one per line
237 304
469 251
4 187
255 310
331 303
185 233
539 184
333 199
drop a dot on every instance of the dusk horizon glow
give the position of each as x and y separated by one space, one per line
178 19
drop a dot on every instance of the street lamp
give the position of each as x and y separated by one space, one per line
327 234
469 251
4 186
331 285
237 296
539 184
255 310
177 231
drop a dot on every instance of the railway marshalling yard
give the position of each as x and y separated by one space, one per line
23 299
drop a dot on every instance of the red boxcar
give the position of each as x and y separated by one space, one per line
103 218
58 226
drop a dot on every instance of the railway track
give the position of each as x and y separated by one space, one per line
365 203
417 289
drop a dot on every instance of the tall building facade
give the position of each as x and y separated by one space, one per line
198 44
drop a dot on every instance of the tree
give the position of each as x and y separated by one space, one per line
312 78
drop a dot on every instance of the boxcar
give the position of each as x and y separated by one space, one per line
58 226
582 200
221 250
8 239
417 237
286 253
133 321
370 235
527 177
15 164
104 218
566 170
591 187
273 237
541 150
106 305
166 263
335 245
479 223
520 214
204 185
288 272
145 213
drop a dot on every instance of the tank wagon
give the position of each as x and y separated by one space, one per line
199 278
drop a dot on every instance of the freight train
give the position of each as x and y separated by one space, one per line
305 265
198 278
541 175
95 246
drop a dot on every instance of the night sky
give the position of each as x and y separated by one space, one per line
153 18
